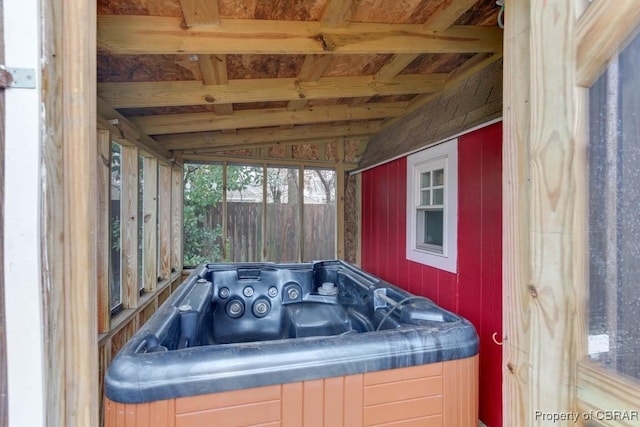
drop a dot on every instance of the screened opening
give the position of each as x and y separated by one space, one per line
319 214
614 223
115 265
246 213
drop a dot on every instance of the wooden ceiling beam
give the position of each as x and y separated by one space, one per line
200 12
176 93
133 34
201 122
203 140
257 145
446 14
214 69
312 69
218 157
338 13
394 67
387 73
214 72
131 131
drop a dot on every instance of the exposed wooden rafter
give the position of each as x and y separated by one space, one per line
201 122
117 121
394 67
446 14
350 64
312 69
217 157
214 72
159 94
129 34
200 12
269 144
250 136
337 13
388 72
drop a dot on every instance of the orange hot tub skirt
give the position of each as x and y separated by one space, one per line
439 394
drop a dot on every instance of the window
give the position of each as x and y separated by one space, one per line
614 229
115 265
432 199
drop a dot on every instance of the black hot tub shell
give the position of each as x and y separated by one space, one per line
244 325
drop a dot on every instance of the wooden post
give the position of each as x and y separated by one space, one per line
103 228
150 233
225 214
300 228
340 199
68 43
176 219
164 221
265 206
129 226
541 227
4 406
516 264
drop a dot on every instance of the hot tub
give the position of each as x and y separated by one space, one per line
294 344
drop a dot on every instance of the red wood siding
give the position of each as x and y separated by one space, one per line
476 291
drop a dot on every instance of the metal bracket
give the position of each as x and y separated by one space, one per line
380 298
24 78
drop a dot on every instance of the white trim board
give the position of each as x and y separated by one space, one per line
22 241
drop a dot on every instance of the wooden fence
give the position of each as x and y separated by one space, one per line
282 237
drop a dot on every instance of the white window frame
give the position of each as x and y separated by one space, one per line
442 155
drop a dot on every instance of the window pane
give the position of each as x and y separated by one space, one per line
430 230
319 214
115 235
203 190
425 197
140 222
614 229
438 196
438 177
282 238
425 179
433 228
244 213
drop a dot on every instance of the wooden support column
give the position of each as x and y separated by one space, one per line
129 226
516 263
300 228
150 229
164 222
340 185
176 219
103 228
68 112
542 230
